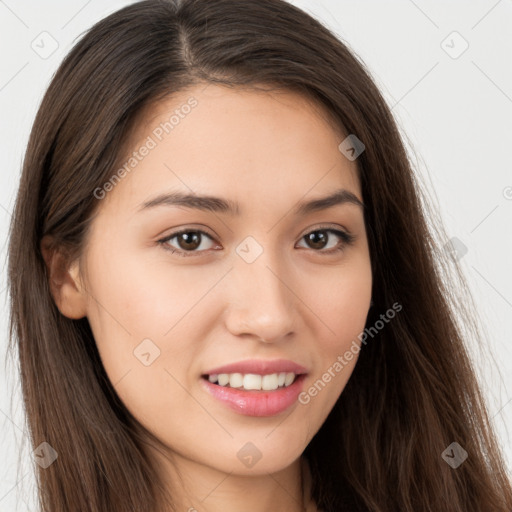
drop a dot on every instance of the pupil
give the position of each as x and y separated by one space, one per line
188 240
317 235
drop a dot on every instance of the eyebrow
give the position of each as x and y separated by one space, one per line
220 205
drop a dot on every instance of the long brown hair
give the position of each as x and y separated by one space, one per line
413 391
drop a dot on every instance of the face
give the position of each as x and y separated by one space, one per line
263 282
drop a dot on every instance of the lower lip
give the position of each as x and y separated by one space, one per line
257 403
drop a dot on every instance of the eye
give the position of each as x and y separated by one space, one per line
188 241
319 239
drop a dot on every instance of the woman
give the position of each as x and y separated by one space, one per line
224 291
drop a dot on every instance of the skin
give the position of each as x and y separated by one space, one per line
267 151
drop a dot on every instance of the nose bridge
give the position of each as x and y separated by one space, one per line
261 302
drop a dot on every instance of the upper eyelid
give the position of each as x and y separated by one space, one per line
202 231
187 230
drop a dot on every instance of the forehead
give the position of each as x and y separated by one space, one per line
218 140
251 99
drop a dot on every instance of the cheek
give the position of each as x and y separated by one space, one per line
342 303
133 300
144 319
139 323
341 300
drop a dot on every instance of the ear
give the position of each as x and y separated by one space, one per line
65 285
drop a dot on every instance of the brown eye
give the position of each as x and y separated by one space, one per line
188 241
191 240
317 239
320 238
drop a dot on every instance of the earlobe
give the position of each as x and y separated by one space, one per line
64 282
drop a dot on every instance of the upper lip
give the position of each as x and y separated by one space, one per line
259 367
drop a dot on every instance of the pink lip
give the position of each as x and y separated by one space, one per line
256 403
260 367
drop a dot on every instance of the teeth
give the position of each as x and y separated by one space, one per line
289 379
236 380
223 379
251 381
269 382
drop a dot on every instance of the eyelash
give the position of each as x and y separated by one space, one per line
347 239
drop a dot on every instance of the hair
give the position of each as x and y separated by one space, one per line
413 391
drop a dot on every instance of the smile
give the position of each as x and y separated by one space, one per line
251 398
251 381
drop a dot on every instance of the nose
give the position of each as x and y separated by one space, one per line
261 302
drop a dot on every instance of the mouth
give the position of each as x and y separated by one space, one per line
256 387
255 395
252 381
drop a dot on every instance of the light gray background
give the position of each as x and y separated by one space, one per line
456 111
